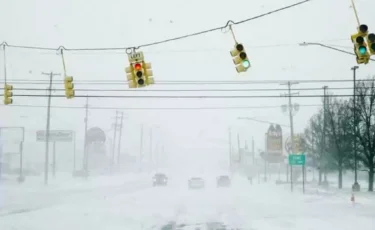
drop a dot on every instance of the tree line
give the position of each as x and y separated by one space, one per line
341 128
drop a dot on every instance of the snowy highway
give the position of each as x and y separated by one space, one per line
138 205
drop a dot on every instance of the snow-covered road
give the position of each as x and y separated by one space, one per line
255 207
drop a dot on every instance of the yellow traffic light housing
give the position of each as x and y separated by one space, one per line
138 70
371 43
360 46
69 87
148 73
240 58
138 73
8 94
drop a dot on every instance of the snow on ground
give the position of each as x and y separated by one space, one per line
30 196
256 207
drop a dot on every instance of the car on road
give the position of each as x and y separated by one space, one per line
223 181
196 183
159 179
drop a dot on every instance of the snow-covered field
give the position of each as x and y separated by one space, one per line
254 207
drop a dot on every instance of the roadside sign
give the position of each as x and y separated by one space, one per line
55 135
295 159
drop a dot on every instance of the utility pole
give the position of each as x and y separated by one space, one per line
291 110
151 157
230 148
252 149
46 162
356 186
239 147
120 138
114 142
141 149
85 146
324 133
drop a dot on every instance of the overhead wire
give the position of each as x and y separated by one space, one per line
187 90
189 96
132 48
183 82
157 108
207 49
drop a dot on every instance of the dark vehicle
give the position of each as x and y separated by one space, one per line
223 181
196 183
159 179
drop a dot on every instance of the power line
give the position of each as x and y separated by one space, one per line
181 90
183 82
230 22
210 49
159 108
188 96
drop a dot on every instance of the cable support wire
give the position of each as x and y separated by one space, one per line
187 82
159 108
188 90
190 96
132 48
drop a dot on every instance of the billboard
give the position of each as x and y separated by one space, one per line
274 148
275 140
55 135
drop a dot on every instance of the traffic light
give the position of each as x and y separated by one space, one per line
371 43
138 73
69 87
8 94
360 46
240 58
149 74
138 70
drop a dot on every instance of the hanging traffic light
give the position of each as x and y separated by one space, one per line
360 46
69 87
149 74
371 43
8 94
139 74
240 58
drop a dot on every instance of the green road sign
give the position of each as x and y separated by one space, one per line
299 159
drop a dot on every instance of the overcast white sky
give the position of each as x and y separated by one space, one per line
271 42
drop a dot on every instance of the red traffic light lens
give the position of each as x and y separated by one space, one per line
137 66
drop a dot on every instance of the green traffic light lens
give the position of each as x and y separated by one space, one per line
246 64
362 50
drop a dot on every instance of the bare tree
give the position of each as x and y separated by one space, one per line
339 134
365 133
314 141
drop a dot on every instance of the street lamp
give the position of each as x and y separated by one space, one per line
356 186
328 47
